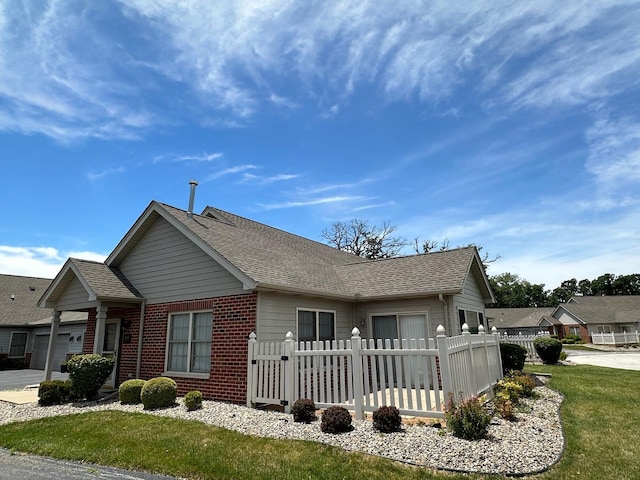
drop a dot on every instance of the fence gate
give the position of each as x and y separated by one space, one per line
267 373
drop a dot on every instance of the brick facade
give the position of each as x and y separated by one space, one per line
234 317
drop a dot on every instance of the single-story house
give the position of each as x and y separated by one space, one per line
181 292
25 327
588 315
518 321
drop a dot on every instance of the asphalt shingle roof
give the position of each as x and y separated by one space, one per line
23 309
516 317
605 310
274 258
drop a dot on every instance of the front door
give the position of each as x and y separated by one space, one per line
110 347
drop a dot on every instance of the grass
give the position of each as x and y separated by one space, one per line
599 417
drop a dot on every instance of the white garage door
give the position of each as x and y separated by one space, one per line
39 356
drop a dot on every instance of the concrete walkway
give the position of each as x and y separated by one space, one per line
626 360
21 386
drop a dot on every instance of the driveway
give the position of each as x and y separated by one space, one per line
18 379
612 359
28 467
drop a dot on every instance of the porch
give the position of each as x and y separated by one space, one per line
416 375
615 339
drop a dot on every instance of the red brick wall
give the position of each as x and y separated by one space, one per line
234 317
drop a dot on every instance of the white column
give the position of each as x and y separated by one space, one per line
51 349
101 317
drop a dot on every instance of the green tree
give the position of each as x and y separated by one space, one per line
511 291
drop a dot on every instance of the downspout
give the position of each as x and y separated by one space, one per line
446 311
140 333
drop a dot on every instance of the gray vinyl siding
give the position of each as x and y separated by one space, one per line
166 266
432 306
277 314
74 297
470 299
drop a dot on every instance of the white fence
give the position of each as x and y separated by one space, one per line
525 341
416 376
615 338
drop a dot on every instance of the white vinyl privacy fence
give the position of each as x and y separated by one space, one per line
525 341
615 338
416 376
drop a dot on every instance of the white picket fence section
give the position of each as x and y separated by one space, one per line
615 338
525 341
416 376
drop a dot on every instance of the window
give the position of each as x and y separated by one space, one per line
189 342
399 325
18 344
604 329
316 325
472 318
575 330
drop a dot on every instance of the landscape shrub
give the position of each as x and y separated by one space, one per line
548 349
159 392
513 356
129 391
527 382
54 392
505 408
572 339
467 419
336 419
88 373
387 419
507 389
193 400
304 410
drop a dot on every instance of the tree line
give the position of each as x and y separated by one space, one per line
511 291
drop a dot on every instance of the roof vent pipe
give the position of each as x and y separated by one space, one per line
192 197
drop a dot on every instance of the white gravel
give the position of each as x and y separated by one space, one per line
529 445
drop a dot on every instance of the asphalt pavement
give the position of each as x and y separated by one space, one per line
625 360
18 379
17 466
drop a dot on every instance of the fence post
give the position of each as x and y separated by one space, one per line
251 368
496 336
469 373
288 372
356 362
485 345
445 367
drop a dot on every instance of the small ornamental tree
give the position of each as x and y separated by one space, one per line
513 356
88 373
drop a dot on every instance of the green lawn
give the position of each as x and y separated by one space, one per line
599 416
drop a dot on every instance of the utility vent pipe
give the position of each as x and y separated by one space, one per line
192 197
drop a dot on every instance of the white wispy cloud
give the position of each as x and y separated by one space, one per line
229 171
93 176
306 203
204 157
256 179
43 262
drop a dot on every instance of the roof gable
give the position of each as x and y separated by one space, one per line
100 282
264 257
595 310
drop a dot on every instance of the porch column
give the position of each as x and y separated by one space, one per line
51 349
101 317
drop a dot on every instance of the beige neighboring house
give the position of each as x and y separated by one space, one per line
25 327
518 321
181 292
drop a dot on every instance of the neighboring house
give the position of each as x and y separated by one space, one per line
518 321
25 327
181 293
587 315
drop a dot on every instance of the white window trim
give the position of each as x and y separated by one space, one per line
24 352
397 314
173 373
316 311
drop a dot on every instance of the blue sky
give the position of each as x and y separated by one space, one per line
511 125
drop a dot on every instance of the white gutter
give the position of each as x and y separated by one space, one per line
446 310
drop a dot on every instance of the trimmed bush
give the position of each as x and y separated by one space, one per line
336 419
88 373
304 410
548 349
513 356
193 400
159 392
468 419
54 392
387 419
129 391
527 382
